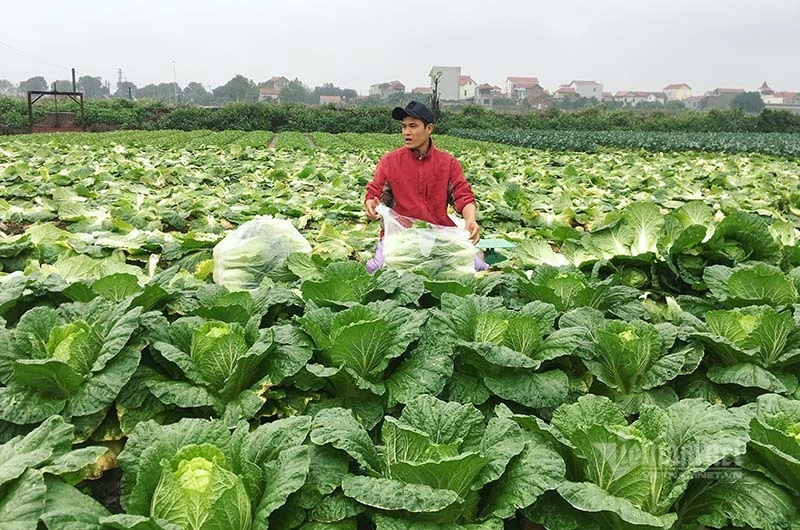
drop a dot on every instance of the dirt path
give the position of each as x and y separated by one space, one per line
274 141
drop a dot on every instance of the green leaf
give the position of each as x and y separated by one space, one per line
537 469
22 406
338 427
53 378
502 441
445 423
22 501
387 494
454 473
591 498
179 393
742 500
124 521
334 508
116 287
268 441
342 283
751 375
535 390
383 522
104 386
283 476
424 371
66 508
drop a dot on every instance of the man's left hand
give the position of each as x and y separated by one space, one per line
471 226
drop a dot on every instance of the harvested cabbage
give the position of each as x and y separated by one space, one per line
411 245
255 250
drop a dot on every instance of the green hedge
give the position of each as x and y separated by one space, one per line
124 114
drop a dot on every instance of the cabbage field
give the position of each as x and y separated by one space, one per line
632 363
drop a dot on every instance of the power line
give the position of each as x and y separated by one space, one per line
30 55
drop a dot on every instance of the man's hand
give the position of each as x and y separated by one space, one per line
474 230
470 224
369 206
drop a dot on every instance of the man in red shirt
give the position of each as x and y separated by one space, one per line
420 181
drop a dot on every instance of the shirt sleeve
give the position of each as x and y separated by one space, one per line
459 191
379 182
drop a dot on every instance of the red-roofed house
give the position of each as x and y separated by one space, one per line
269 94
384 90
278 82
333 100
565 92
520 88
677 92
466 89
485 94
588 89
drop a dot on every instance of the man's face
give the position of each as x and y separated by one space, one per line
415 133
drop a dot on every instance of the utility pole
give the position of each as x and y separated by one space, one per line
174 82
74 86
119 77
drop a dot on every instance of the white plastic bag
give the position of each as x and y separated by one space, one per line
254 250
411 245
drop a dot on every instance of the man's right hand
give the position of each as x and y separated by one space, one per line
369 206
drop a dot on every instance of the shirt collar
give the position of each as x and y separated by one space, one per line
423 156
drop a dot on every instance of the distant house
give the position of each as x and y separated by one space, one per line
467 87
520 88
588 89
718 92
721 97
278 82
565 92
608 96
770 97
449 81
694 102
485 94
677 92
422 90
269 94
384 90
633 97
334 100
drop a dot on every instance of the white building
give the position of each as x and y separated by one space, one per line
467 87
449 81
588 89
677 92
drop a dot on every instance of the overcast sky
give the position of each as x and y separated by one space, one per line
626 45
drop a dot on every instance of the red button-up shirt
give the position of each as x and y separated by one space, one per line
421 186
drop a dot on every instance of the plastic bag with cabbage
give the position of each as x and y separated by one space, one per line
254 250
411 245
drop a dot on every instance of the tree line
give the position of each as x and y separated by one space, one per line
238 89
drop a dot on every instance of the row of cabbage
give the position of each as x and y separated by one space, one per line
777 144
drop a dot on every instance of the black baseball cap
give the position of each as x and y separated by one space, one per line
415 109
